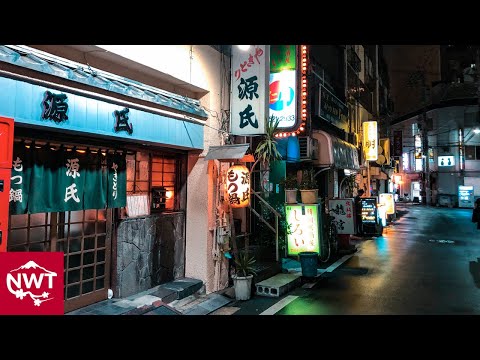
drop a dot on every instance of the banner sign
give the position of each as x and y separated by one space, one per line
250 73
342 212
47 179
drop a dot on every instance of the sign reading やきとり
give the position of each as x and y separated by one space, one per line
249 86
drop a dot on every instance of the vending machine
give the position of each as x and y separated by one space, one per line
6 153
465 196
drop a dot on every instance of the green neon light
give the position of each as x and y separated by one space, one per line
303 234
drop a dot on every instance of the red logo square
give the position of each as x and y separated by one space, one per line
31 283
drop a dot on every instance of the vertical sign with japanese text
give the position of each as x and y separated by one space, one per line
20 180
397 143
303 223
250 73
370 140
342 212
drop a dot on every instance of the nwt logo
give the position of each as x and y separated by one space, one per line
29 280
31 283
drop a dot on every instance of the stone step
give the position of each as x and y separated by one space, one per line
278 285
213 302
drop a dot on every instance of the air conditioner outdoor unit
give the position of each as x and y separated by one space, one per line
308 148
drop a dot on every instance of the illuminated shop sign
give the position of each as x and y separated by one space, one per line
388 201
283 99
369 210
370 140
446 160
303 222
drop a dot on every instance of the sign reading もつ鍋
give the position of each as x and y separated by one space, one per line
48 179
31 283
250 71
303 225
342 212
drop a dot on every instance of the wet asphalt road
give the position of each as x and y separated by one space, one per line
425 263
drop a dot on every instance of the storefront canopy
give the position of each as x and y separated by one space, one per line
227 152
335 152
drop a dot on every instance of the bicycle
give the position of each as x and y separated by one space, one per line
330 246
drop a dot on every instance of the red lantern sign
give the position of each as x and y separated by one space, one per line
238 186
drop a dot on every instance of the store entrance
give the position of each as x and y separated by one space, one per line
83 236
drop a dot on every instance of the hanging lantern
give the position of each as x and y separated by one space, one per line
238 186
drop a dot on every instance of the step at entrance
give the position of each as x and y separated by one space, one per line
278 285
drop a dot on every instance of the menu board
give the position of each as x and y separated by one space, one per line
369 210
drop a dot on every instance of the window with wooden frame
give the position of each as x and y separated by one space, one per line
155 174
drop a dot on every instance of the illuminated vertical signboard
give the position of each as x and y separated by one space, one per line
461 149
250 73
406 162
303 224
388 201
283 98
370 140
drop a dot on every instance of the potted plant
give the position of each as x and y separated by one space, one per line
290 184
266 150
242 280
309 187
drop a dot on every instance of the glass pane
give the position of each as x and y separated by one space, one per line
87 287
88 273
74 261
169 177
61 246
477 152
89 228
76 216
141 187
100 270
75 230
100 255
169 168
72 291
157 176
469 152
73 276
17 221
90 215
157 167
142 156
100 284
37 219
17 248
37 247
75 245
17 237
101 241
101 227
37 234
102 215
129 186
89 243
88 258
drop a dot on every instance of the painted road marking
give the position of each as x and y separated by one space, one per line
338 262
279 305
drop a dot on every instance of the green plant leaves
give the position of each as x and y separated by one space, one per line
266 150
244 265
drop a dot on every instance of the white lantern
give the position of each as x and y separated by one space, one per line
238 186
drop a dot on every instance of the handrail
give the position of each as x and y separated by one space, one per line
266 203
277 216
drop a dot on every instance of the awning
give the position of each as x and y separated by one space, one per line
335 152
227 152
